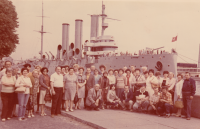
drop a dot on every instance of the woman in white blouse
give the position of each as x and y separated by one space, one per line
160 79
111 77
171 83
23 81
151 82
178 91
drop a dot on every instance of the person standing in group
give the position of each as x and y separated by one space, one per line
76 66
146 75
8 64
116 72
188 92
165 78
111 77
104 86
70 88
44 81
57 88
96 76
63 71
102 69
124 68
144 69
120 82
138 81
92 69
151 82
89 84
66 69
171 83
132 70
178 92
7 94
129 79
81 86
16 74
38 68
23 81
159 78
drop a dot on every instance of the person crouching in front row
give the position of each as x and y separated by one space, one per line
112 99
93 100
153 101
126 98
165 104
142 100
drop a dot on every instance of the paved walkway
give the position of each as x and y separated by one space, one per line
46 122
118 119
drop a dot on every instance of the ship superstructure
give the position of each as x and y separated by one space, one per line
103 50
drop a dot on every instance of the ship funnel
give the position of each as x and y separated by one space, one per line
59 51
65 41
94 26
78 38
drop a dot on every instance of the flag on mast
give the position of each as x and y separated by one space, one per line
174 39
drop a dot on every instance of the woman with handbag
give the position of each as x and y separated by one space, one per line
81 87
44 82
178 94
70 88
7 94
23 85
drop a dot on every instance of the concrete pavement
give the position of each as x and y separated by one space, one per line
118 119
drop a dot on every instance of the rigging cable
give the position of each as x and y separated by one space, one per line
183 59
188 58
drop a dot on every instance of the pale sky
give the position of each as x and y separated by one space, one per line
143 24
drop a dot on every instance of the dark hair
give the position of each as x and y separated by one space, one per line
165 72
126 85
180 75
112 85
22 70
121 70
71 68
116 70
137 70
8 61
151 70
9 69
157 73
146 72
127 70
57 67
66 66
96 70
187 73
110 70
63 67
42 70
105 73
81 68
27 65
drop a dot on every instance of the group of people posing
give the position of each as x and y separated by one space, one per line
128 89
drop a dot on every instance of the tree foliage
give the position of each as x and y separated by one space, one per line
8 24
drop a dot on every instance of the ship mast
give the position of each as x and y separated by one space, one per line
104 26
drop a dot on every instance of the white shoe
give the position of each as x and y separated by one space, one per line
67 110
8 118
32 115
3 120
29 116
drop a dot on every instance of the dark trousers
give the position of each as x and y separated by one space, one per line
7 109
164 108
187 102
86 94
56 101
93 106
112 104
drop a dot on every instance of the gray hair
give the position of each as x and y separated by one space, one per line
144 67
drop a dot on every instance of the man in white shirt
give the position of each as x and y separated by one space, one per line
57 87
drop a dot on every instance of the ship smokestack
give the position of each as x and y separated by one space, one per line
65 40
78 38
94 26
